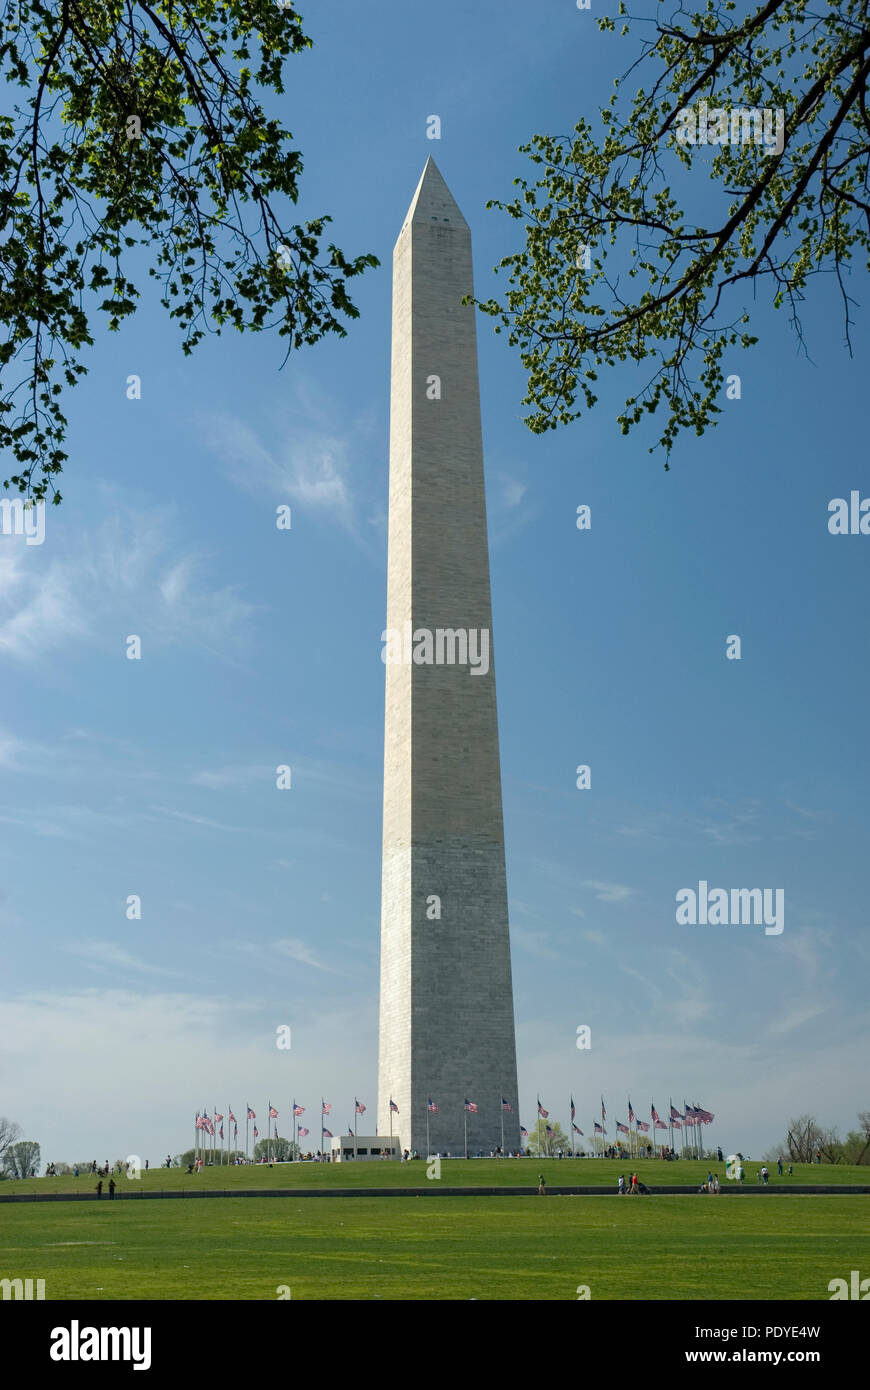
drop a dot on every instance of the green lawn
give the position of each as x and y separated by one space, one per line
680 1247
454 1173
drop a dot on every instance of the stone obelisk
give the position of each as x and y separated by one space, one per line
446 1003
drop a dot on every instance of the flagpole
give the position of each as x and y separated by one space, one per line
465 1115
355 1103
501 1111
652 1124
428 1145
571 1113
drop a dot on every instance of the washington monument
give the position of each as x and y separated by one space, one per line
446 1005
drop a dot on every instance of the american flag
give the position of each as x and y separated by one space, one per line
359 1108
603 1111
599 1129
705 1117
235 1129
276 1131
549 1131
221 1131
630 1112
470 1105
677 1124
298 1109
654 1115
675 1114
621 1128
199 1123
217 1117
273 1113
394 1107
432 1107
689 1117
302 1132
350 1130
256 1132
506 1105
251 1114
544 1114
576 1130
573 1111
524 1132
325 1107
660 1124
327 1133
642 1125
232 1118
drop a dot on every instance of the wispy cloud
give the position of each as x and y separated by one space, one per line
221 778
609 892
536 943
297 950
205 821
134 572
309 468
109 955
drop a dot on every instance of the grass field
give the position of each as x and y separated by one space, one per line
532 1248
528 1248
455 1172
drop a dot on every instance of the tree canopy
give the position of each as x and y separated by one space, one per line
138 123
631 257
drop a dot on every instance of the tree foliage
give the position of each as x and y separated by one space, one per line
138 124
804 1138
22 1159
548 1145
279 1150
10 1131
630 257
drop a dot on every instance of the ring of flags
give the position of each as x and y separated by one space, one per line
690 1117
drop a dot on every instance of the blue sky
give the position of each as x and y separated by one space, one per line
261 647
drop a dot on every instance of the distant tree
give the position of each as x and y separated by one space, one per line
278 1149
631 257
189 1155
864 1134
21 1159
804 1138
139 125
548 1145
9 1132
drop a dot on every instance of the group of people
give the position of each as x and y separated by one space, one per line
121 1165
634 1188
712 1184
